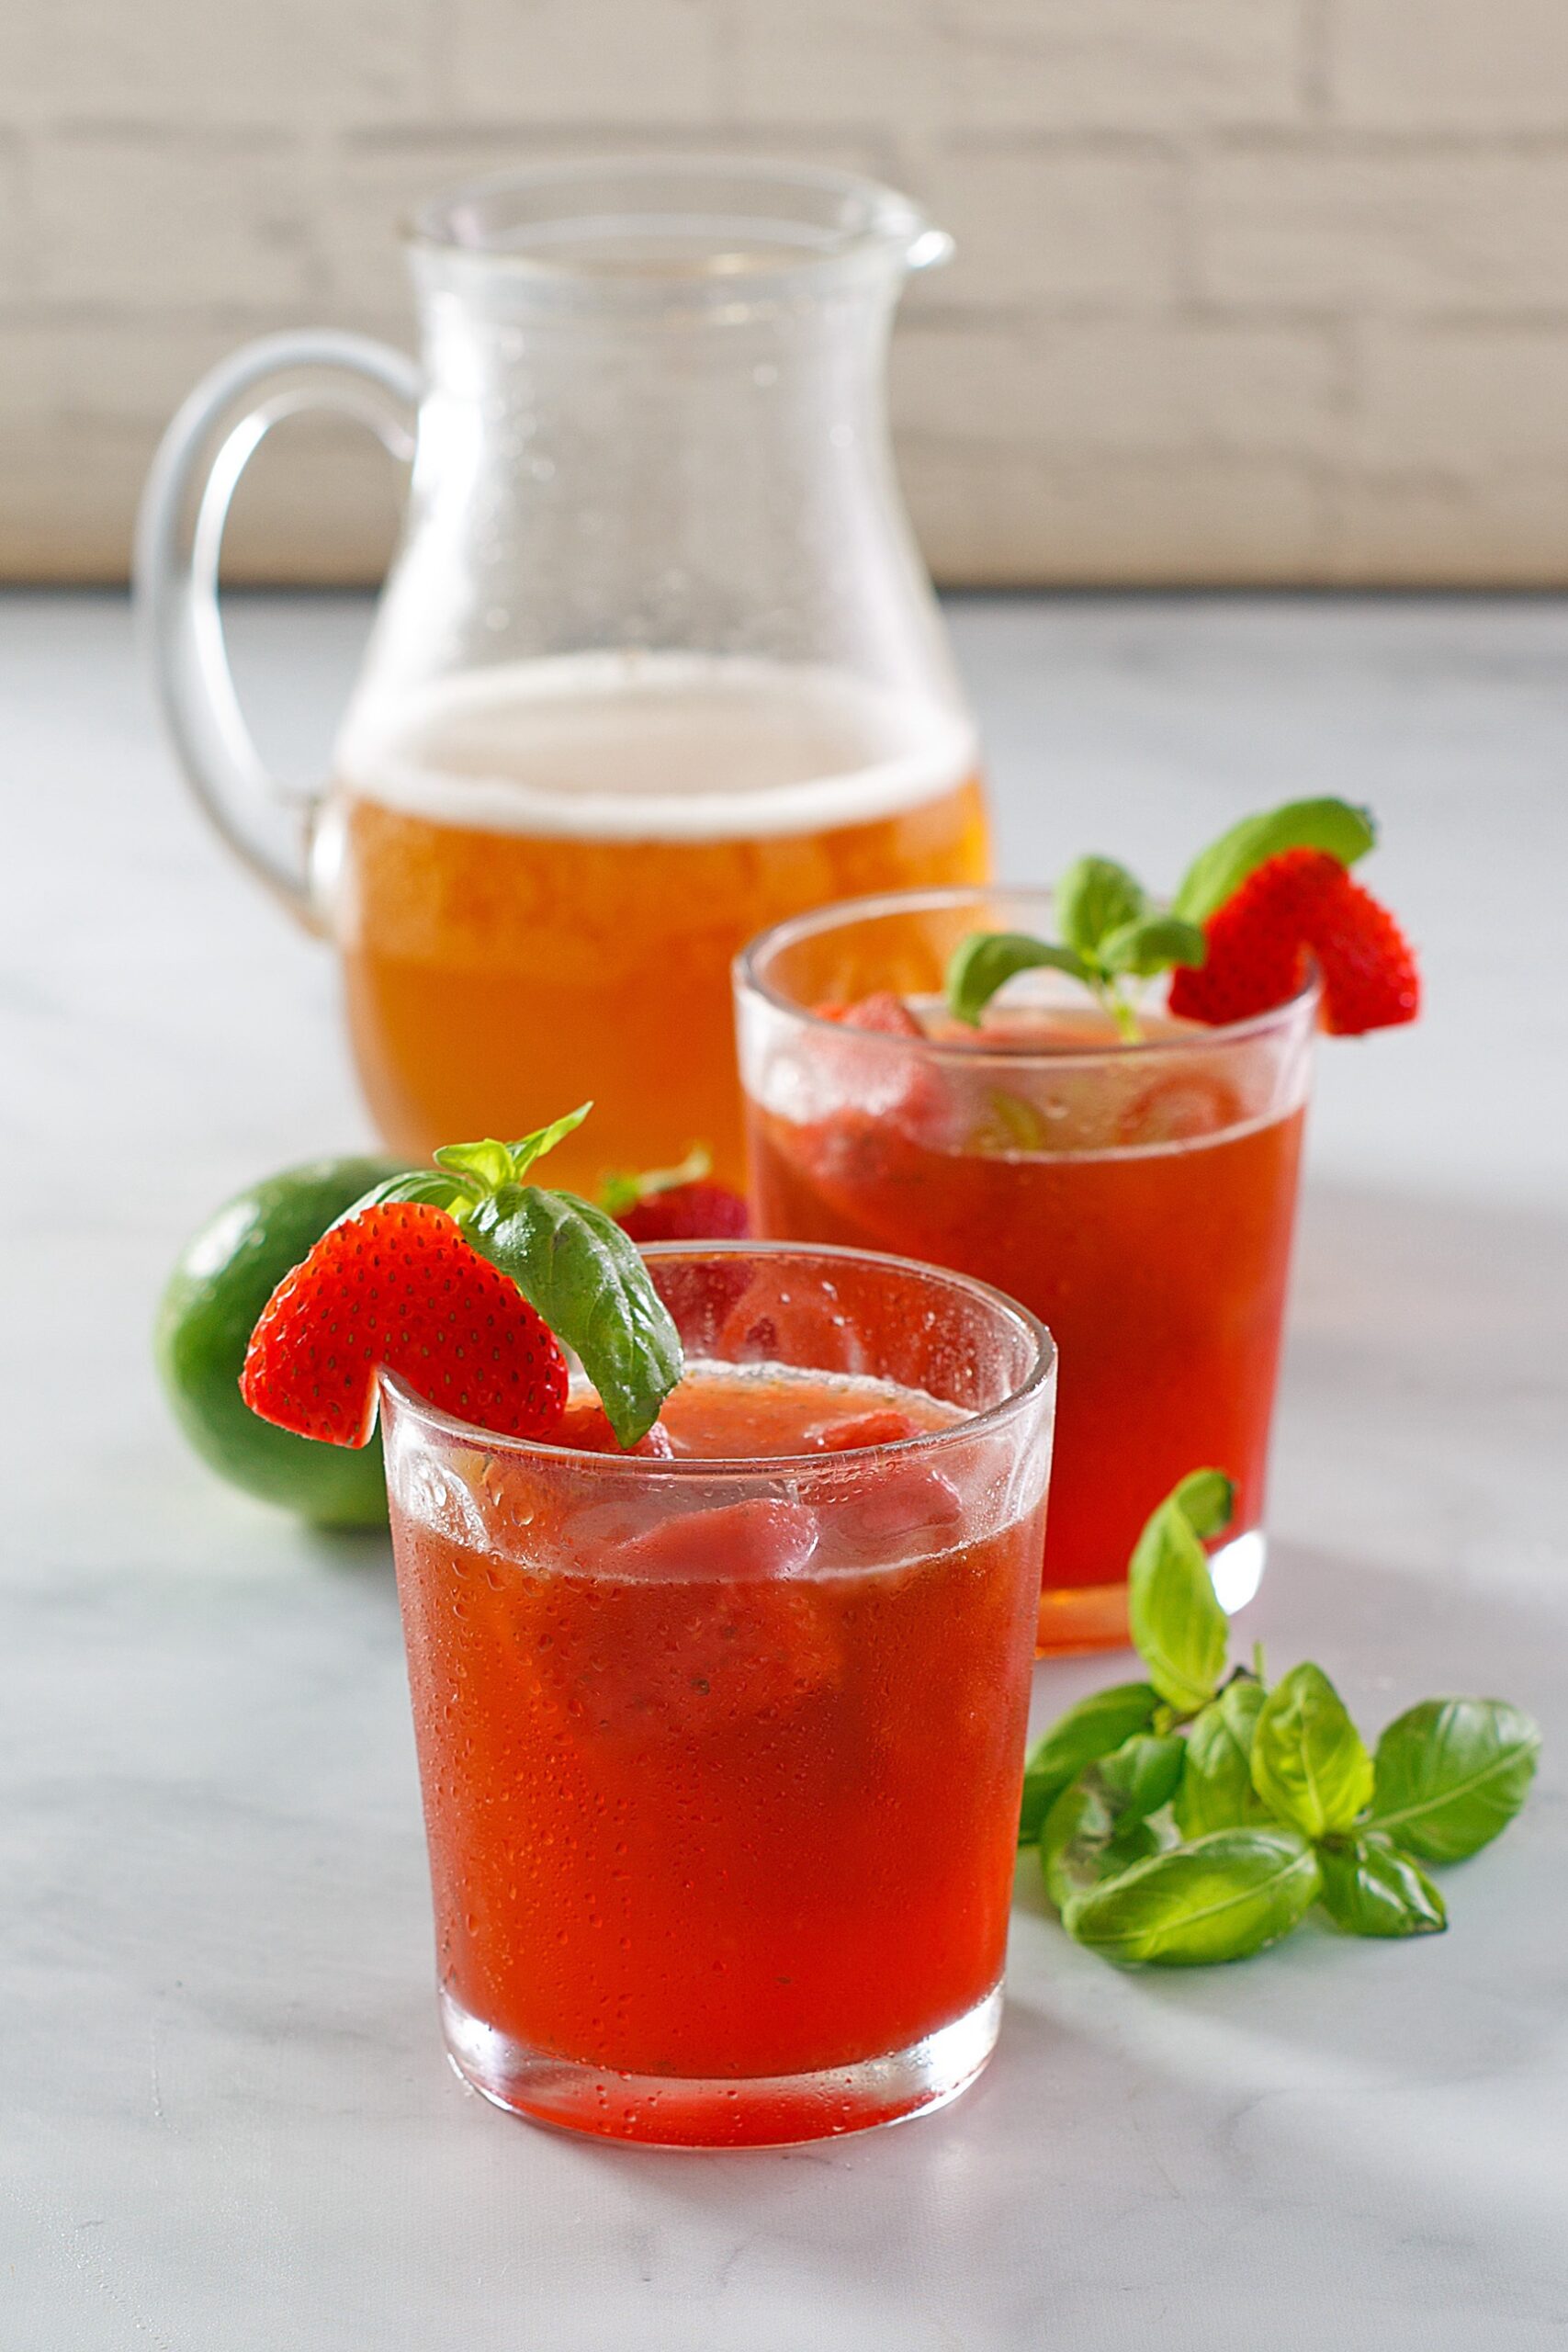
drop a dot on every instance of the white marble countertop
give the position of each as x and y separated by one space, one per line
225 2122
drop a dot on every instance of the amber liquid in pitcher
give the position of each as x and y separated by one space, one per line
541 875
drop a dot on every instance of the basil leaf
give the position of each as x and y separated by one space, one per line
1090 1730
588 1282
1222 1897
489 1163
1094 897
1099 1824
531 1147
1452 1772
434 1187
1179 1627
1206 1500
1308 1763
493 1164
1145 1771
1346 832
1216 1789
1152 944
987 959
1083 1844
1370 1888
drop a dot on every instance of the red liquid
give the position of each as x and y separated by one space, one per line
691 1817
1161 1273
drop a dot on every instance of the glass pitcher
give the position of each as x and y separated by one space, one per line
657 662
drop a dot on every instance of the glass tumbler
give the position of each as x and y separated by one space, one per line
721 1757
1139 1197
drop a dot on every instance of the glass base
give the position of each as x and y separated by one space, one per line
1094 1616
685 2111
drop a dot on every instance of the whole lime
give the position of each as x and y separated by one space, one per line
225 1276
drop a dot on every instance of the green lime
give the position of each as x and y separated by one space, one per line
225 1276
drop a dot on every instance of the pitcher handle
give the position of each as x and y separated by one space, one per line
201 457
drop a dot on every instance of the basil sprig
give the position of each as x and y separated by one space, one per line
1196 1818
569 1261
1109 933
1112 932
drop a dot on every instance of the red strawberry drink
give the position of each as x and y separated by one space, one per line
719 1650
721 1746
1139 1196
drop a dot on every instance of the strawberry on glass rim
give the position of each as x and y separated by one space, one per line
1257 909
468 1283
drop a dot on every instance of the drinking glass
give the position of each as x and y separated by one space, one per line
722 1758
1139 1197
657 662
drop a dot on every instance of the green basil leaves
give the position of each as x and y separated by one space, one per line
1222 1897
1191 1818
1370 1888
588 1282
1308 1763
1451 1773
1346 832
987 960
1092 1729
568 1260
1216 1791
1179 1627
1111 930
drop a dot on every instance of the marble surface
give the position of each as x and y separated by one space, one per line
225 2122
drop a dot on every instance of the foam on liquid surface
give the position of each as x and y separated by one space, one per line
654 746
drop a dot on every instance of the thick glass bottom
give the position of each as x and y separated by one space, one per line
1094 1616
678 2112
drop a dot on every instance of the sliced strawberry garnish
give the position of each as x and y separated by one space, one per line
399 1288
701 1211
585 1428
1370 979
882 1012
884 1426
1301 903
874 1102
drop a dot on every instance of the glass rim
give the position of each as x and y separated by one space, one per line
1039 1376
749 976
877 218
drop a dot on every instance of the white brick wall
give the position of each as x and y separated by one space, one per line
1246 289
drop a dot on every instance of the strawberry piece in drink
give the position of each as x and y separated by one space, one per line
897 1507
868 1103
884 1426
700 1621
881 1013
740 1543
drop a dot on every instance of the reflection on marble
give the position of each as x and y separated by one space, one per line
225 2123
